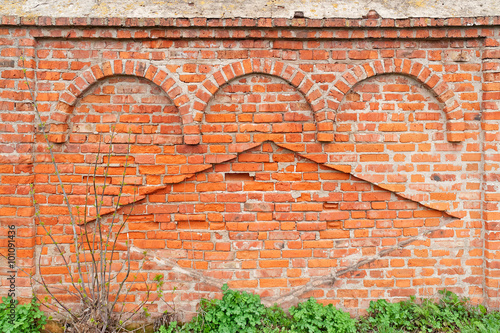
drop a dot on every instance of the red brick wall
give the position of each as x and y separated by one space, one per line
343 159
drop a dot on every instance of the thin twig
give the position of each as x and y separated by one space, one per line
65 195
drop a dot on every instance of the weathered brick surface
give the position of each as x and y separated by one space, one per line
335 161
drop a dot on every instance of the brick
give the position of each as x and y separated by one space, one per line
406 167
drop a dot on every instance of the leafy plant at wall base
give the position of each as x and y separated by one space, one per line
235 312
276 318
28 317
454 309
386 316
171 328
312 317
448 314
488 323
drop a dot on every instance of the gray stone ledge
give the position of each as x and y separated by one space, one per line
249 8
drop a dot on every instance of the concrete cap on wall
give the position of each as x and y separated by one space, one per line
250 9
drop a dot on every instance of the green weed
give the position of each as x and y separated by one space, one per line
243 312
312 317
28 318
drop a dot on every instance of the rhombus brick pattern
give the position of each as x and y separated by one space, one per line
342 159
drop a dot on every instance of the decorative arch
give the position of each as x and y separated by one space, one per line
455 118
68 98
291 74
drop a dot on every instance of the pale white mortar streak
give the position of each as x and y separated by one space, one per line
176 268
249 9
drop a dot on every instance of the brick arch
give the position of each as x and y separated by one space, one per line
424 75
68 98
291 74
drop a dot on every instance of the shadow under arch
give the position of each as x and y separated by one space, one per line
455 125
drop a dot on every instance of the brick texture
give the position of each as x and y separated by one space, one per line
349 161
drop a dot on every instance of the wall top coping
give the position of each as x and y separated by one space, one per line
241 22
249 9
